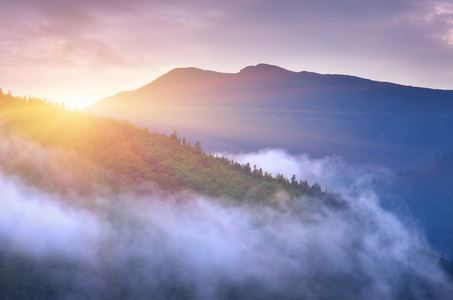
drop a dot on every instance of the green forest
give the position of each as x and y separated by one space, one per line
116 154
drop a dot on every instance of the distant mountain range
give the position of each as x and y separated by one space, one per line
267 106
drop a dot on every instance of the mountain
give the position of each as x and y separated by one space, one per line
267 106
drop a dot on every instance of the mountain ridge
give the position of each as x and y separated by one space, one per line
268 106
193 73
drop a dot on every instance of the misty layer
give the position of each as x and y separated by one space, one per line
184 246
331 172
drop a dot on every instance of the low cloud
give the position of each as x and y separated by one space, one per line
331 172
185 246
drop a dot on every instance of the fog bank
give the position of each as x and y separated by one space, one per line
191 247
155 245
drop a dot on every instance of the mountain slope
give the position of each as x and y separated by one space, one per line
267 106
118 155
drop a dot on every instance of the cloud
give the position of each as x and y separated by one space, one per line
153 244
331 172
38 226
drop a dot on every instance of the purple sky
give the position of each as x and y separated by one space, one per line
81 51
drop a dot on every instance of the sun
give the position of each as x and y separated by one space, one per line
78 100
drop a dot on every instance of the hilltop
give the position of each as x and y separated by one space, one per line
116 154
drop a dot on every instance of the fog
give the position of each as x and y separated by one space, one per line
331 172
157 245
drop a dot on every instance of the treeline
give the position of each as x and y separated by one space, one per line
132 155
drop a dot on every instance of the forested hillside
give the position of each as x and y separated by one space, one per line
115 154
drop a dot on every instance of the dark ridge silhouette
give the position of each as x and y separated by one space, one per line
267 106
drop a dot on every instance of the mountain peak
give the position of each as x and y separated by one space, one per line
264 69
189 73
182 76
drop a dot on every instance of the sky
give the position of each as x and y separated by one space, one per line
79 52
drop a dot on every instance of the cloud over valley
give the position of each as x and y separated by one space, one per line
151 244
